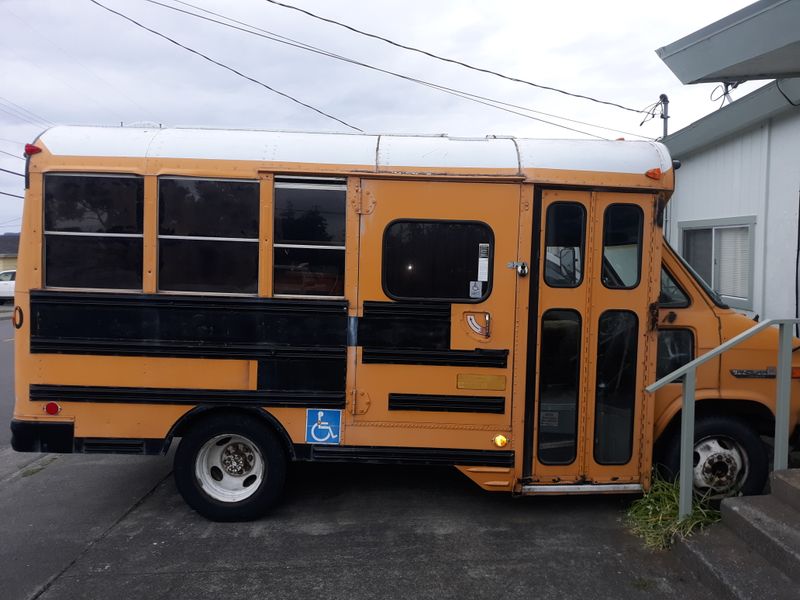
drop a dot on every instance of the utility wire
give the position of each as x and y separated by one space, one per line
11 155
15 115
224 66
12 172
13 196
11 220
450 60
459 93
25 111
15 142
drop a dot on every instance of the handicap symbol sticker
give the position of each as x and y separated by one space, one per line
322 426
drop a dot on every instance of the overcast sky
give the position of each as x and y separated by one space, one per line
70 61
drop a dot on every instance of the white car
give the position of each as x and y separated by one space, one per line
7 286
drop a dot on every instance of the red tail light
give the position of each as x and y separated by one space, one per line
30 149
52 408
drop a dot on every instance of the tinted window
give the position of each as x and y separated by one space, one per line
309 271
93 203
622 246
675 349
437 260
309 226
208 266
309 216
559 366
671 293
93 262
93 231
565 233
615 394
208 208
208 235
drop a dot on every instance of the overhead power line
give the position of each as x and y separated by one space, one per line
224 66
25 111
11 155
498 104
450 60
12 195
12 172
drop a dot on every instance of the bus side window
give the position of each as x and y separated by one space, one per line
208 235
675 349
438 260
565 235
622 246
671 296
93 231
309 248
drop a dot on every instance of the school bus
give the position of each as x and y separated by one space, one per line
495 304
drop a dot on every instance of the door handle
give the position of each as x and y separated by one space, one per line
521 267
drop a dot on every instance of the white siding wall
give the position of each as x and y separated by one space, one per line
755 173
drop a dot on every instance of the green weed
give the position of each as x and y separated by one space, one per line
654 516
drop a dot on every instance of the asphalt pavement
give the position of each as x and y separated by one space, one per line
98 527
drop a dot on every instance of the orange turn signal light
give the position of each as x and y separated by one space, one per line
654 173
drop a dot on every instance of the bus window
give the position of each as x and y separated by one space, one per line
671 296
675 349
93 228
622 246
309 244
615 395
207 235
437 260
565 233
559 368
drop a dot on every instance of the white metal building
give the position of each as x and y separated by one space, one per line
735 214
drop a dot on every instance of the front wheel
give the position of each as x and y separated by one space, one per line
729 458
230 468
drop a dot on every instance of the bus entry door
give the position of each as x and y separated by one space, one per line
596 349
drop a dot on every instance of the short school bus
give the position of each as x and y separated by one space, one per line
494 304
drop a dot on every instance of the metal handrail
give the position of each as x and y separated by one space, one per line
783 376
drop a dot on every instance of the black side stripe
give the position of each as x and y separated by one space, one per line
130 395
412 456
439 403
456 358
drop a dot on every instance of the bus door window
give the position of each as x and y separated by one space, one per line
622 246
564 245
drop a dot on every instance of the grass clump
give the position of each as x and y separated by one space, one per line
654 516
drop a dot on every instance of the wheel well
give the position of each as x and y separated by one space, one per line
756 414
201 413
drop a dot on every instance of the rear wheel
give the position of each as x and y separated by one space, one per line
729 458
230 468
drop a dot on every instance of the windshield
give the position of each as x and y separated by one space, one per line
715 297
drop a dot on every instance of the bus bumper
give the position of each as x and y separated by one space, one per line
42 436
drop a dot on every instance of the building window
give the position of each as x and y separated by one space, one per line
208 235
721 252
438 260
622 246
309 246
564 243
93 231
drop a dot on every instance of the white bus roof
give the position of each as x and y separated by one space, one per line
378 153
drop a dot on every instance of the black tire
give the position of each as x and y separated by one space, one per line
733 437
233 433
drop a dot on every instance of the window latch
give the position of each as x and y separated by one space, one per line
521 267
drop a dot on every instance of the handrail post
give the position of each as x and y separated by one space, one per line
687 446
783 376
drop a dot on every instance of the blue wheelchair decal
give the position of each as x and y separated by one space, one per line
323 426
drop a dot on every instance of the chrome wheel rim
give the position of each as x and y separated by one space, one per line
229 468
720 467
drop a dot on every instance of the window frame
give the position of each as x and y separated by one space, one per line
748 222
490 282
308 182
159 237
46 232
